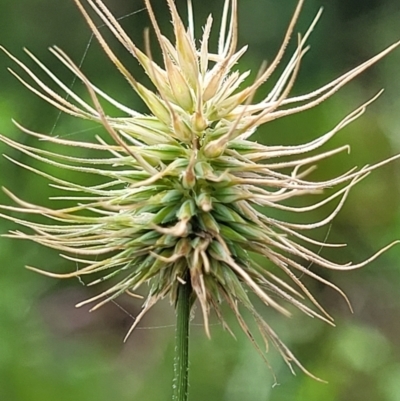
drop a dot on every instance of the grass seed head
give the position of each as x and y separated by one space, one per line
185 183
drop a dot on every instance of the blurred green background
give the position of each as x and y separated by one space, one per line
49 350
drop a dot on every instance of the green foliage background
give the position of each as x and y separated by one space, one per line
51 351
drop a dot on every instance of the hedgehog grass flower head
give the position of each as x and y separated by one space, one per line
185 183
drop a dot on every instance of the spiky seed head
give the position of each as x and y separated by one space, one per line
185 182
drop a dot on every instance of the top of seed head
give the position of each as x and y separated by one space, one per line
183 183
